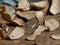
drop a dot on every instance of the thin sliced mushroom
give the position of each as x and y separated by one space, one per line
24 5
28 14
18 21
37 32
55 7
55 36
39 15
40 4
17 33
52 24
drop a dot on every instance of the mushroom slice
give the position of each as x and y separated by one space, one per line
28 14
17 33
24 5
39 15
37 32
52 24
40 4
55 36
55 7
9 2
9 13
18 21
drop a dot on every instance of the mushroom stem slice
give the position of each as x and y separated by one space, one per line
37 32
52 24
55 36
55 7
17 33
24 5
39 15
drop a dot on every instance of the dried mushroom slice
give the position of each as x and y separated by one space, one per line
52 24
27 14
17 33
37 32
9 13
18 21
40 16
55 36
24 5
39 4
55 7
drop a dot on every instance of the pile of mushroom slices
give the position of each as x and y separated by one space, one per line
14 11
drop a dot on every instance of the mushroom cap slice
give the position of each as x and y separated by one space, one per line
28 14
52 24
17 33
9 13
37 32
24 5
40 4
39 15
55 36
18 21
55 7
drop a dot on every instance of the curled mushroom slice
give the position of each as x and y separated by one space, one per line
52 24
39 15
9 13
24 5
28 14
17 33
40 4
18 21
55 7
55 36
37 32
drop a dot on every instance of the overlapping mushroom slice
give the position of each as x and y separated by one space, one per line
55 36
40 15
18 21
24 5
28 14
52 24
40 4
37 32
17 33
55 7
9 13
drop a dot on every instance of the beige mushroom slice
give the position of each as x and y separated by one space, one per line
55 36
40 4
27 14
19 21
24 5
17 33
40 16
52 24
9 13
55 7
37 32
